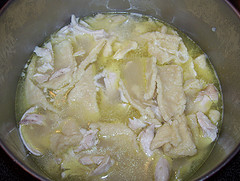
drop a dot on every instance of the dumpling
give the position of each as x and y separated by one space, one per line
64 65
189 72
169 43
175 139
92 57
82 99
68 135
205 99
214 115
166 47
35 96
202 68
150 77
116 131
63 55
138 85
171 98
59 79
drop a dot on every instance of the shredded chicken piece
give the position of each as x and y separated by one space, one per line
46 55
108 80
141 122
77 29
105 165
123 51
103 162
40 78
60 73
146 137
162 170
89 140
64 66
135 124
208 128
210 91
30 117
59 79
205 98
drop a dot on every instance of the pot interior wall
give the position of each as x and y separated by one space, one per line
212 24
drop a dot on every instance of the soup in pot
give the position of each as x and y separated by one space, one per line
118 97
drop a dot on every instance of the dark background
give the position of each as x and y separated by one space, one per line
10 171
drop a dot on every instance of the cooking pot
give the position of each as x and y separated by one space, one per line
212 24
